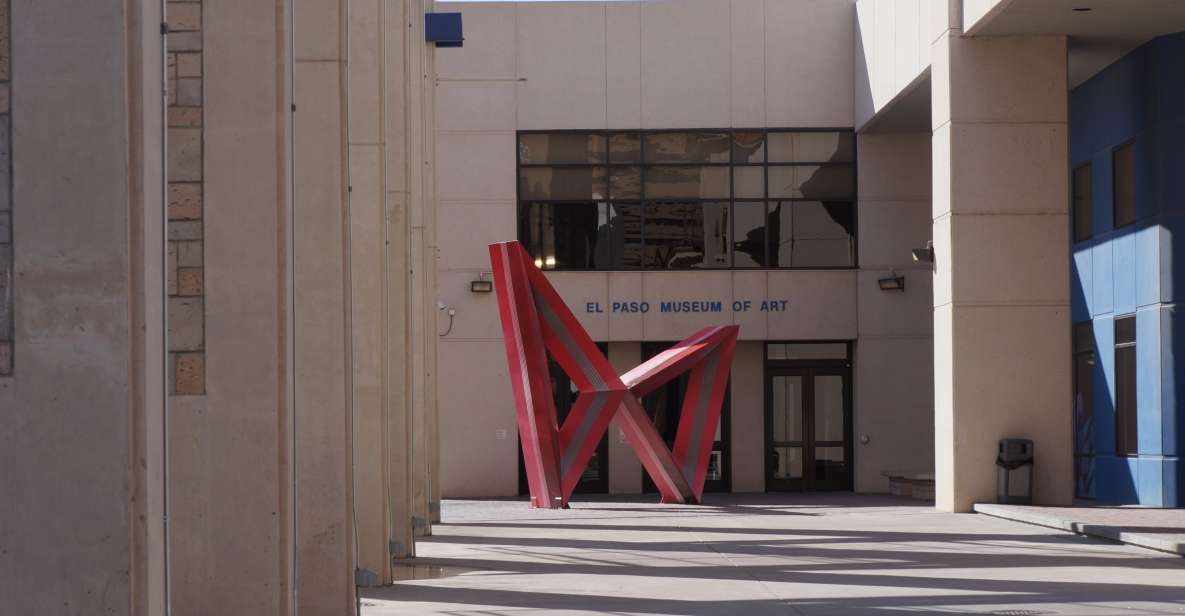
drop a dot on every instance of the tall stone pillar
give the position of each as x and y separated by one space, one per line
81 308
1001 286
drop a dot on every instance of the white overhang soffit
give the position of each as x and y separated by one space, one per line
1099 31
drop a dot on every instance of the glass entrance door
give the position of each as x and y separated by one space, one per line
807 428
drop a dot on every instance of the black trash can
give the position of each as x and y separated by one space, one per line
1014 468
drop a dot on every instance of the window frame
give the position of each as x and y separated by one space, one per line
731 199
1121 412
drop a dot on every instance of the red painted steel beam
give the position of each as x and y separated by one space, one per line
535 322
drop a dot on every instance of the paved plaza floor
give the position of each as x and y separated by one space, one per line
768 554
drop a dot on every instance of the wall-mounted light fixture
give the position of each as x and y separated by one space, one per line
481 285
895 282
924 255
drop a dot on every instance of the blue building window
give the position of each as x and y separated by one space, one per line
1123 169
1126 426
1083 207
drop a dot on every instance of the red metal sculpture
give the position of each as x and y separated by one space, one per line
535 321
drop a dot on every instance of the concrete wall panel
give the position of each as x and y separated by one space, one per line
561 56
802 87
748 417
682 43
479 453
623 64
489 43
476 167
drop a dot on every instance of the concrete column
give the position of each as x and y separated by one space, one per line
410 265
1001 286
83 405
322 352
748 417
625 470
231 453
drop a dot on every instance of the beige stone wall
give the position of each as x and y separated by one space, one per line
893 368
186 282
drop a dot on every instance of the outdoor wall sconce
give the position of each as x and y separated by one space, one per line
481 285
894 282
924 255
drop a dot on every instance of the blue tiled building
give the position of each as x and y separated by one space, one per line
1127 144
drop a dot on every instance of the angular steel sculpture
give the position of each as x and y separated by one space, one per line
535 322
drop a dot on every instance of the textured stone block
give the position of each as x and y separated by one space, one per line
185 41
189 64
5 291
5 42
189 281
5 98
172 90
185 201
171 65
189 91
184 16
187 326
5 165
185 154
182 230
189 377
189 254
5 357
171 285
185 117
5 227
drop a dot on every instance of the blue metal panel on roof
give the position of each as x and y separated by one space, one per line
1140 98
1148 391
1150 481
444 29
1104 386
1170 375
1124 271
1103 282
1080 287
1173 480
1147 241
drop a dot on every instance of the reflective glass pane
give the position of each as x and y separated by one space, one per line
812 182
686 235
625 182
748 234
715 466
545 183
1124 170
1083 337
806 350
789 463
689 147
748 147
582 235
551 148
830 464
829 408
665 182
786 408
811 234
748 182
625 148
812 147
